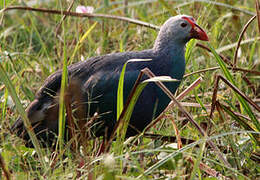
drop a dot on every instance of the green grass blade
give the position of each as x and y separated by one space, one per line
121 131
4 104
44 47
134 99
78 45
120 89
120 93
188 53
198 160
191 145
130 109
228 75
11 90
245 125
62 111
199 101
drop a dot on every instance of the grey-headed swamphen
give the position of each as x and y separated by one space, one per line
98 78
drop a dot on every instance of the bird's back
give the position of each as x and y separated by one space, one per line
97 79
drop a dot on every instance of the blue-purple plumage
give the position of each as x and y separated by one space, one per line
98 77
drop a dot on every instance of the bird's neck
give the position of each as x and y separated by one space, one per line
172 53
173 47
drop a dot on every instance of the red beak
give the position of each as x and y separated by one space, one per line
198 33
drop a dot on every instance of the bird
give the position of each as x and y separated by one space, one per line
96 79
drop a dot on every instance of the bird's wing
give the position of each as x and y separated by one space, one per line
101 72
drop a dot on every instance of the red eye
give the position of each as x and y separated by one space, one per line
183 24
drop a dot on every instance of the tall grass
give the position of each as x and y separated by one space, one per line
30 51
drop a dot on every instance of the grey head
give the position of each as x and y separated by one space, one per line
177 31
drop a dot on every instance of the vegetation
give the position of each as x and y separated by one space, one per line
222 144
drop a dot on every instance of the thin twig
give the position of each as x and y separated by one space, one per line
217 67
176 132
120 119
74 95
88 15
201 71
239 120
245 70
180 140
71 124
169 94
240 39
170 139
196 105
249 83
171 104
209 170
227 61
221 109
63 18
7 174
214 96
